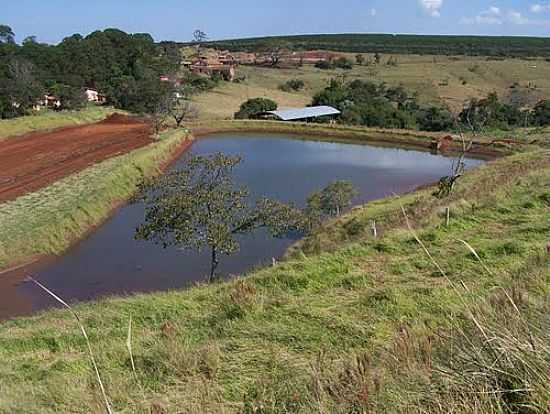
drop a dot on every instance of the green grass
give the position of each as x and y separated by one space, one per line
354 325
50 120
49 220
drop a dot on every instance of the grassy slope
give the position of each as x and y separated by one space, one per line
437 80
341 329
47 221
225 100
52 120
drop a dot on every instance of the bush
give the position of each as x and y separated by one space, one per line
324 64
541 113
253 107
293 85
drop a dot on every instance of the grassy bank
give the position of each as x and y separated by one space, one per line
47 221
51 120
350 324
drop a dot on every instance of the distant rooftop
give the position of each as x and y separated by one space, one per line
304 113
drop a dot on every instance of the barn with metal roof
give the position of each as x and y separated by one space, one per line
300 114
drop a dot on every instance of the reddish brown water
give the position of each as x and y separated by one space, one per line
111 262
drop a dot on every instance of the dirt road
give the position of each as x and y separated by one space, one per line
35 160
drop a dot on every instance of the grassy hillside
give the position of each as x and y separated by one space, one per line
389 43
51 120
351 324
225 100
438 80
49 220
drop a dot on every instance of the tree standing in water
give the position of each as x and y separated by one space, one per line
200 207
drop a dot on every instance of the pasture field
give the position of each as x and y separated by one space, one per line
441 80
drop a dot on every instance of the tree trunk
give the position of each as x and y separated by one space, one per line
213 264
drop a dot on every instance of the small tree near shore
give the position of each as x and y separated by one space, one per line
201 207
329 202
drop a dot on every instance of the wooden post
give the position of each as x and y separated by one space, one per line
374 230
448 217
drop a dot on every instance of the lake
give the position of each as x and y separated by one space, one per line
283 167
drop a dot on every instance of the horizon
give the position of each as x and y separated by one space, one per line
171 21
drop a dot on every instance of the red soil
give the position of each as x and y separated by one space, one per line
35 160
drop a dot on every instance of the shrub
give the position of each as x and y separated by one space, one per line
253 107
293 85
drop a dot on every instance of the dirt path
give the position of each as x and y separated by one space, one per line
35 160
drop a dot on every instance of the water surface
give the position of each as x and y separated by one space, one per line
111 262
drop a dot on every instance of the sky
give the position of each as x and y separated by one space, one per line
52 20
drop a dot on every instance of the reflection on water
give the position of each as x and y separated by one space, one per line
110 261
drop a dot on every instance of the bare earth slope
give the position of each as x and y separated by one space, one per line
35 160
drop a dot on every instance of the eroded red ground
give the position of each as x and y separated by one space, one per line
36 160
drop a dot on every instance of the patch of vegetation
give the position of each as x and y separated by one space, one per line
292 85
50 120
338 63
126 68
366 103
254 107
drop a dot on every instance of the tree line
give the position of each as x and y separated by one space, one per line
377 105
126 68
502 46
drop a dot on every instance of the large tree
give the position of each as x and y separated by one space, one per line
6 34
19 89
200 206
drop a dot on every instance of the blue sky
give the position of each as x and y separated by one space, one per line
52 20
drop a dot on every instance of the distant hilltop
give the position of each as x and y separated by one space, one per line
505 46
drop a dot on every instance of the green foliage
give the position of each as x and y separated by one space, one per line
329 202
337 196
434 119
19 89
339 63
71 98
253 107
124 67
541 114
292 85
6 34
490 113
501 46
200 206
366 103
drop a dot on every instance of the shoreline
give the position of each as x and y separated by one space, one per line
384 138
109 203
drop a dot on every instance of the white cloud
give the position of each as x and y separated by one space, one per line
493 15
516 17
496 16
539 8
432 7
373 12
